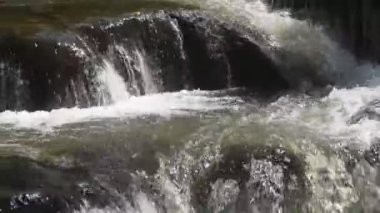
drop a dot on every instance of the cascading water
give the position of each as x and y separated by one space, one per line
139 115
113 84
140 68
149 85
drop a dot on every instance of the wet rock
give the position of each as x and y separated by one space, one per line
372 155
36 203
178 50
214 48
192 50
39 74
265 178
30 186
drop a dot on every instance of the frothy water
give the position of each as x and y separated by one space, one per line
113 84
357 82
301 40
331 115
163 104
142 205
194 151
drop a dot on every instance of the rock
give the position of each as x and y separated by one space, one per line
40 74
192 50
372 155
30 186
263 178
179 49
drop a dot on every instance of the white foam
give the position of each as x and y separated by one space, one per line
347 102
142 204
284 31
329 116
164 104
299 38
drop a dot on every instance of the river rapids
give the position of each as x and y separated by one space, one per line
216 106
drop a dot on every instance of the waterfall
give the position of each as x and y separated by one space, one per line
141 77
112 84
148 81
11 86
230 108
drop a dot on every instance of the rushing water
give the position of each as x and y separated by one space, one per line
143 150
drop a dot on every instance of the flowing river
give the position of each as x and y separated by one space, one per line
212 106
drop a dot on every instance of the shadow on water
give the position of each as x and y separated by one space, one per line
31 186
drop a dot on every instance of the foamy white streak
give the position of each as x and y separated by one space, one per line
148 80
113 82
330 115
141 201
164 104
347 102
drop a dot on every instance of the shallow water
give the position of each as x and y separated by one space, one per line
181 137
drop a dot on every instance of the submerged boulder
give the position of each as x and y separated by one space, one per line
32 186
253 178
372 155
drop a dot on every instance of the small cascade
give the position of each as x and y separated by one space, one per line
146 74
141 79
104 63
113 88
11 86
139 115
128 65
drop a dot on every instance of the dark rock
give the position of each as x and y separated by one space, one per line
31 186
192 50
221 55
39 74
267 178
37 203
372 155
181 49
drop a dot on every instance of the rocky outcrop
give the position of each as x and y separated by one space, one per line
39 73
192 50
180 50
372 155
